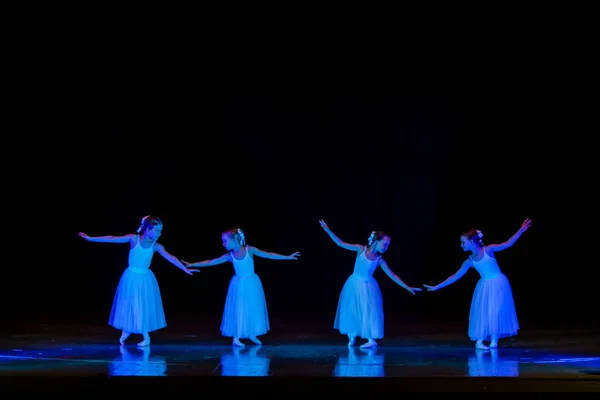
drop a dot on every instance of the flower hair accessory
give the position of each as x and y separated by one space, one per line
242 236
371 238
479 234
142 223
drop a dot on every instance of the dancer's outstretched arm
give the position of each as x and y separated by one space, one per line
273 256
396 278
338 241
173 260
452 278
491 248
107 239
209 263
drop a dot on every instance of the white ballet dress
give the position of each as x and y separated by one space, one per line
493 312
360 307
137 306
245 314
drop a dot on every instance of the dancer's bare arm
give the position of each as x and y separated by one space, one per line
172 259
209 263
452 278
273 256
491 248
108 239
348 246
384 266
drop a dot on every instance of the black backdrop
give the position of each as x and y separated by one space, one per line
422 166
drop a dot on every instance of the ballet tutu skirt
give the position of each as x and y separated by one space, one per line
493 310
360 308
137 307
245 313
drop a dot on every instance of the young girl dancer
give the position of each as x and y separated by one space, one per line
245 314
360 307
137 307
493 315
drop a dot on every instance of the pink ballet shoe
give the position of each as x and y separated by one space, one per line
255 340
479 345
493 344
236 342
351 340
370 344
145 342
123 338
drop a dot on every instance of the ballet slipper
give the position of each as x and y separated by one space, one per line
479 345
351 340
255 340
124 337
370 344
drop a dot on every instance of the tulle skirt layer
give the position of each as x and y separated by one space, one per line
137 307
360 308
493 312
245 313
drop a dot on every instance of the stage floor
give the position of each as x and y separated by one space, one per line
73 357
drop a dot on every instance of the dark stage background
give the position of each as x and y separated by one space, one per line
423 168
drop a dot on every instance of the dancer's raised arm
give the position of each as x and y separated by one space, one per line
340 242
491 248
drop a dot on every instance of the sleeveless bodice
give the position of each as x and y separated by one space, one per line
363 267
243 267
487 267
140 258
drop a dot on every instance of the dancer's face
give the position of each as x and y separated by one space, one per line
155 232
382 245
228 242
466 244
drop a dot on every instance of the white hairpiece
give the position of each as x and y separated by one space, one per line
479 234
142 223
371 238
242 236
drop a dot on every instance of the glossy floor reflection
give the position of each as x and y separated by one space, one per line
360 363
489 363
136 361
244 362
92 352
296 360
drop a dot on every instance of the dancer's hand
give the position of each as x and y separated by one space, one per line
431 288
294 256
323 225
525 225
190 271
83 235
414 289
